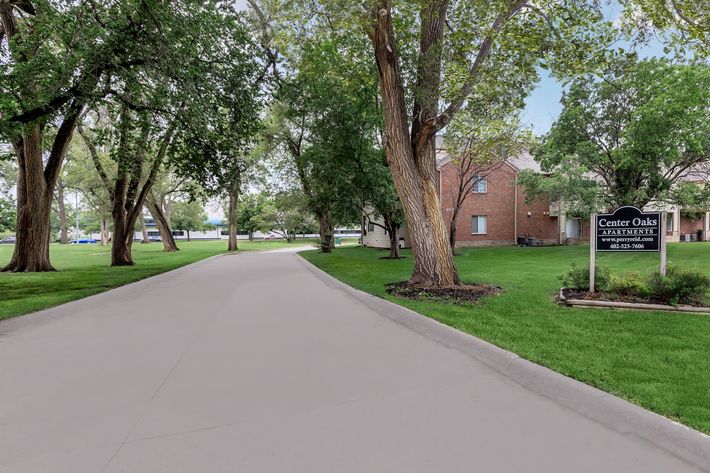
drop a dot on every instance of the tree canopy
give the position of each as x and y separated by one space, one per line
629 137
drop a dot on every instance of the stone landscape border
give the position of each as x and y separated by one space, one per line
631 305
608 410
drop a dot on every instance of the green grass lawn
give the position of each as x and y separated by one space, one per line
84 270
658 360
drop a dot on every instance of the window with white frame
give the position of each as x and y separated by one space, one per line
669 223
479 225
480 184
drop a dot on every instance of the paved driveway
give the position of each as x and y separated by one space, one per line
250 363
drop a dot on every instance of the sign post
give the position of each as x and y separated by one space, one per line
627 229
664 219
592 251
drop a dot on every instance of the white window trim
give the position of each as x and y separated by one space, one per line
479 233
474 188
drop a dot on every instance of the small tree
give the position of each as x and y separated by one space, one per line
187 216
250 213
288 215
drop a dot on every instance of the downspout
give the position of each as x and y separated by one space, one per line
515 209
441 188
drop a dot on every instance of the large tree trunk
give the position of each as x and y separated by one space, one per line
123 227
63 225
128 196
413 167
121 244
34 205
36 180
144 230
163 224
104 231
326 231
232 217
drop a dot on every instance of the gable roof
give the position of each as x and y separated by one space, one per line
521 162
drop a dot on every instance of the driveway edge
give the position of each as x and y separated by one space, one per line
606 409
58 311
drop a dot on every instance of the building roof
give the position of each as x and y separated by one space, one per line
525 161
521 162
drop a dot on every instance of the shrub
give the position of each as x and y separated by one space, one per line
679 287
629 284
578 278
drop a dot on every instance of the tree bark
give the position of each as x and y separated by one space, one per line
34 205
393 232
233 244
122 242
327 242
128 195
412 163
144 230
163 224
36 180
63 226
104 231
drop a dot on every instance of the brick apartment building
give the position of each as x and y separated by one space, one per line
495 213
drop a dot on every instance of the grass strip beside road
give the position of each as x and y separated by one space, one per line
658 360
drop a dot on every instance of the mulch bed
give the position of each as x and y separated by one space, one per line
465 293
605 296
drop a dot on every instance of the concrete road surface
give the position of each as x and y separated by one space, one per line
250 363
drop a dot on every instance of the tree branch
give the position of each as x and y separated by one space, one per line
61 143
435 124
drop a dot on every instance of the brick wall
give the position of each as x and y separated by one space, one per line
498 204
534 220
690 226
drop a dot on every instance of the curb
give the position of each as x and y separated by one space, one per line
608 410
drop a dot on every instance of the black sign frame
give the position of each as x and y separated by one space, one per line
628 230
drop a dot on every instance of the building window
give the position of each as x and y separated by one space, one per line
178 233
669 222
480 184
479 225
370 227
574 228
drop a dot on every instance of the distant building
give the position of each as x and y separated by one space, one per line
374 234
221 232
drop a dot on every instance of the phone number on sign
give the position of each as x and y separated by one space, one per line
626 246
